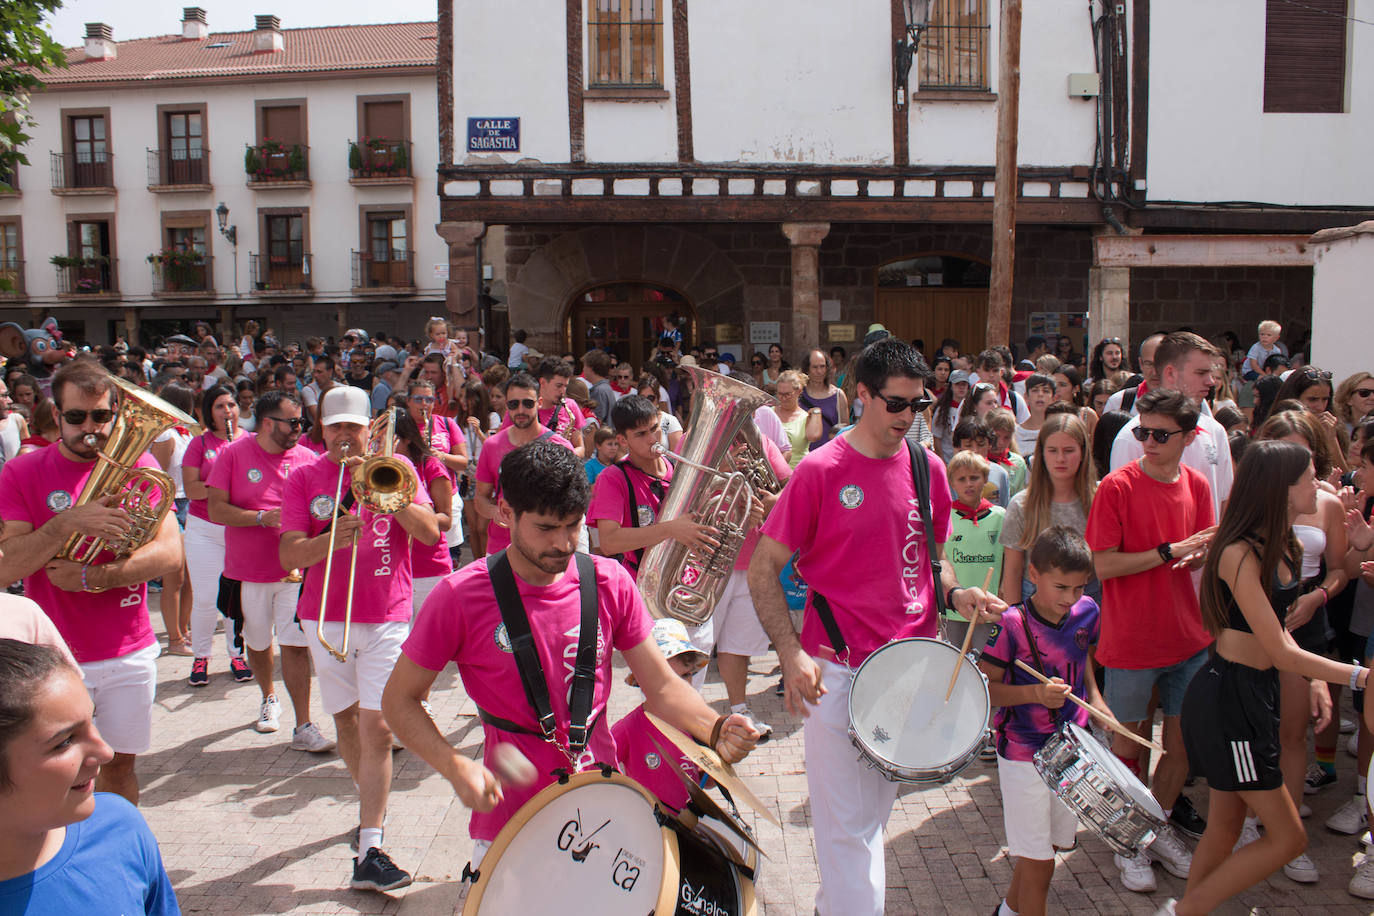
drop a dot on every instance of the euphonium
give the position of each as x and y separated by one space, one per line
144 493
714 481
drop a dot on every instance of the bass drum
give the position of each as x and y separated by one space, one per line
598 844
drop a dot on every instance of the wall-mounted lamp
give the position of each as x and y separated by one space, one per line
917 13
229 232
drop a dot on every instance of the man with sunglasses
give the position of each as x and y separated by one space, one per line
245 496
101 610
852 515
1151 520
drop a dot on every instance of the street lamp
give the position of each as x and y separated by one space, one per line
917 13
229 232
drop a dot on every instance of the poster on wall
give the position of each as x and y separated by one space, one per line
1046 324
765 332
830 310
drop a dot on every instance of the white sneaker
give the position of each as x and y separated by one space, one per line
1304 810
1249 832
1351 818
307 737
1302 870
269 715
1362 882
1347 726
1136 873
1367 839
1166 908
1168 850
1352 745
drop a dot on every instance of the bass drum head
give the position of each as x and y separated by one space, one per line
592 845
709 883
1125 780
898 712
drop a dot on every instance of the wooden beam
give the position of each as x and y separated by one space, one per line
682 82
1140 93
1233 219
445 81
577 143
1004 201
901 114
1201 251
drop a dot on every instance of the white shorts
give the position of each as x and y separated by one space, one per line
122 689
1035 820
372 652
269 606
738 631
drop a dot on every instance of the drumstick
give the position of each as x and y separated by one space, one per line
1101 716
968 640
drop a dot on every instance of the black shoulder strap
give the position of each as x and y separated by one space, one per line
1127 399
584 666
1035 652
627 558
547 434
920 474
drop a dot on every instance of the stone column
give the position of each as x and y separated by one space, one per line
226 326
806 240
460 293
342 316
1109 305
131 326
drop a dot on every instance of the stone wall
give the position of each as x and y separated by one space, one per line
1211 300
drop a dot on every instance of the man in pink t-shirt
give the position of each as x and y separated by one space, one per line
101 610
244 495
851 514
556 412
522 398
366 626
544 493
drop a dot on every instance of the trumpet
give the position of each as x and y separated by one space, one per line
382 483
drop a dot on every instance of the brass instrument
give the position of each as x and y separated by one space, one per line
721 464
382 483
144 493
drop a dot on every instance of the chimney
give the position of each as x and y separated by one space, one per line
100 43
267 35
194 26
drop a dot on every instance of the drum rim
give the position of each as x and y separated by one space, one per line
672 857
961 762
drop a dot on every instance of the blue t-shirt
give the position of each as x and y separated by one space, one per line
109 863
593 467
1022 730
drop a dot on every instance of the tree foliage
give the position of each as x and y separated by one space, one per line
26 50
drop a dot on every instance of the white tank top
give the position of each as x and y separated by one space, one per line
1313 541
9 440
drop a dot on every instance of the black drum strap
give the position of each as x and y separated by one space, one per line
1035 653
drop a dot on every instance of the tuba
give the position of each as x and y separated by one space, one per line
721 464
145 494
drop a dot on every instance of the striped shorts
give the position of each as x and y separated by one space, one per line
1231 726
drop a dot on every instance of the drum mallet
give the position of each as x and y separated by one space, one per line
1101 716
968 640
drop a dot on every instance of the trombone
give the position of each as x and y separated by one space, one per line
382 483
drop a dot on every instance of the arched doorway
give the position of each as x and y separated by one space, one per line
934 296
626 318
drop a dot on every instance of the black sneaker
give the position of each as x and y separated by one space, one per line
780 690
376 872
1185 818
200 672
242 673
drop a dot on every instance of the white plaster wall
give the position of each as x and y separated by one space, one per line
1209 138
1342 277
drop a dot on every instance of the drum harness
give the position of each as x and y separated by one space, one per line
1005 714
920 474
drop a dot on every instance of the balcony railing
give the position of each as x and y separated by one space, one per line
12 275
174 276
169 168
82 170
94 278
280 273
394 269
379 157
274 163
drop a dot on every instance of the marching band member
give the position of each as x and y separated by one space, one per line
476 617
101 610
245 496
556 410
428 562
351 689
865 545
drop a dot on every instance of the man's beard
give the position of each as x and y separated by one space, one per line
552 563
521 421
76 444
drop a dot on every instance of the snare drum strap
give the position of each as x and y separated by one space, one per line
1035 653
527 658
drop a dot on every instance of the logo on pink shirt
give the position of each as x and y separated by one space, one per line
652 761
254 475
321 507
851 496
59 500
502 639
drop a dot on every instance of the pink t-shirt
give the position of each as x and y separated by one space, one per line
426 561
570 416
862 545
610 500
97 626
441 437
461 622
639 754
254 479
382 584
782 470
489 471
201 454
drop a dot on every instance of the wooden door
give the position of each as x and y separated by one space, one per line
932 314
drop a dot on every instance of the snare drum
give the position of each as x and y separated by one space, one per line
597 844
1105 796
898 717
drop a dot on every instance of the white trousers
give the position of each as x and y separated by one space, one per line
850 805
204 543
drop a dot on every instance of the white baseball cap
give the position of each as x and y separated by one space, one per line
345 404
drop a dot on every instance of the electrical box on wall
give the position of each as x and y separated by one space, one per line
1084 85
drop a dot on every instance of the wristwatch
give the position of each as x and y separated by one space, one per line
1166 552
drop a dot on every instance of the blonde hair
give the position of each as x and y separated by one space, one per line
1341 397
792 377
431 323
1001 420
1269 326
967 461
1040 489
1048 364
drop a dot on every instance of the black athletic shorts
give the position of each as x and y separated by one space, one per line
1231 726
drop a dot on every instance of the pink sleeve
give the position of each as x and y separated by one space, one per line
633 624
422 491
223 471
1104 521
488 467
781 469
436 636
794 520
608 498
195 452
295 514
13 506
941 502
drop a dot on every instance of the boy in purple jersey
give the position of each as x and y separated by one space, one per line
1053 632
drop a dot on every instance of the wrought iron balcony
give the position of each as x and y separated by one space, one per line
272 162
82 171
90 277
281 274
178 169
177 274
373 158
383 270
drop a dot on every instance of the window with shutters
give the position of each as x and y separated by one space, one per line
625 40
1304 55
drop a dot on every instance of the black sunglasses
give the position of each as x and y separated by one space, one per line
1112 340
897 405
101 415
1363 392
294 422
1313 372
1162 436
527 403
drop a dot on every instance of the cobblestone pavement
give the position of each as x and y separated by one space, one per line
248 826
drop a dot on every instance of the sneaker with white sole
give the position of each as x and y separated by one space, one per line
1302 870
309 738
1136 873
1362 882
269 715
1352 745
1249 832
1351 818
1347 726
1304 811
1171 852
1318 778
376 872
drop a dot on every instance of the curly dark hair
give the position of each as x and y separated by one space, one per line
545 477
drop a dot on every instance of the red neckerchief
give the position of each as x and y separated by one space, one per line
972 515
1003 458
